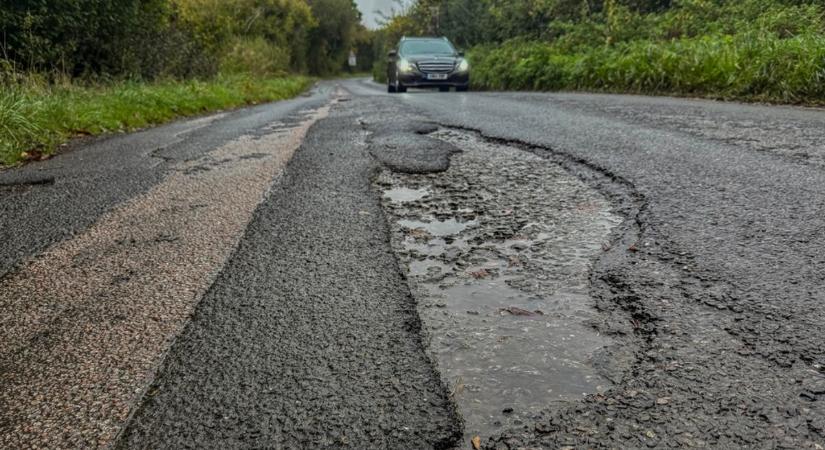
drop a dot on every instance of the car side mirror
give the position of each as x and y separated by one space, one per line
392 54
461 53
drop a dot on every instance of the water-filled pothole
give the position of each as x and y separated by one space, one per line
501 278
405 194
439 228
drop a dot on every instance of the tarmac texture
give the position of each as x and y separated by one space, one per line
309 337
301 322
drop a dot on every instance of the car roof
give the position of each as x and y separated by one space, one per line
424 38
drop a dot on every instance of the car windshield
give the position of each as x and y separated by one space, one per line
434 47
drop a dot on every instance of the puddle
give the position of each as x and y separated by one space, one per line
503 298
439 228
404 194
434 270
495 360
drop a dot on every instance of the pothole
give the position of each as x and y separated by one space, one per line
498 252
434 227
405 194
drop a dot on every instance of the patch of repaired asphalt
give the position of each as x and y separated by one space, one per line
399 140
411 152
85 323
309 338
498 250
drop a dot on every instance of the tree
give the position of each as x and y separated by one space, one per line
79 36
338 22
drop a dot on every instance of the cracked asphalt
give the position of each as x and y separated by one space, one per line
299 325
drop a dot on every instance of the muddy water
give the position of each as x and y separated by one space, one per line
498 251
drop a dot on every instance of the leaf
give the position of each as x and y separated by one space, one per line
476 442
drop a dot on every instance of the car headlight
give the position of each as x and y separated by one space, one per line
404 65
463 66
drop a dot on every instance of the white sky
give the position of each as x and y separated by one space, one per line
368 8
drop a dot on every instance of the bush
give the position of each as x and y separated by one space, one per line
108 40
778 56
81 37
255 56
763 67
747 49
379 72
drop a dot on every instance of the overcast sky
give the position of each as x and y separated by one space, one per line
368 8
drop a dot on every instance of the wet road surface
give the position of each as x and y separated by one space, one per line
498 256
353 269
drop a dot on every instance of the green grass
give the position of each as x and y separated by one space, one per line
744 67
751 66
753 50
36 117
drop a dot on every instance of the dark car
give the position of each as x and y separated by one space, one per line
427 62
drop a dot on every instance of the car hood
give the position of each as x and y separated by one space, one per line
440 57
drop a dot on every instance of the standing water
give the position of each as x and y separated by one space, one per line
498 252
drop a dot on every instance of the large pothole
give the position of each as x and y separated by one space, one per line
498 250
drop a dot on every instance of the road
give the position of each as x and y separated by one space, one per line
363 270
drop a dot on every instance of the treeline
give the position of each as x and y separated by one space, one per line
472 22
87 67
151 39
752 49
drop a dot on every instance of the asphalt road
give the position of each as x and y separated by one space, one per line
235 281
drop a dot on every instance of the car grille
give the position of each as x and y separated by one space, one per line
436 66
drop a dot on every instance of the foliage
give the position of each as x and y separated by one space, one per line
757 67
749 49
80 36
71 67
35 115
243 33
19 123
335 35
256 56
150 39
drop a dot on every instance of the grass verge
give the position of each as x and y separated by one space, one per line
36 117
747 67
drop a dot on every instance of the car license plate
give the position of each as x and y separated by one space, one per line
436 76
